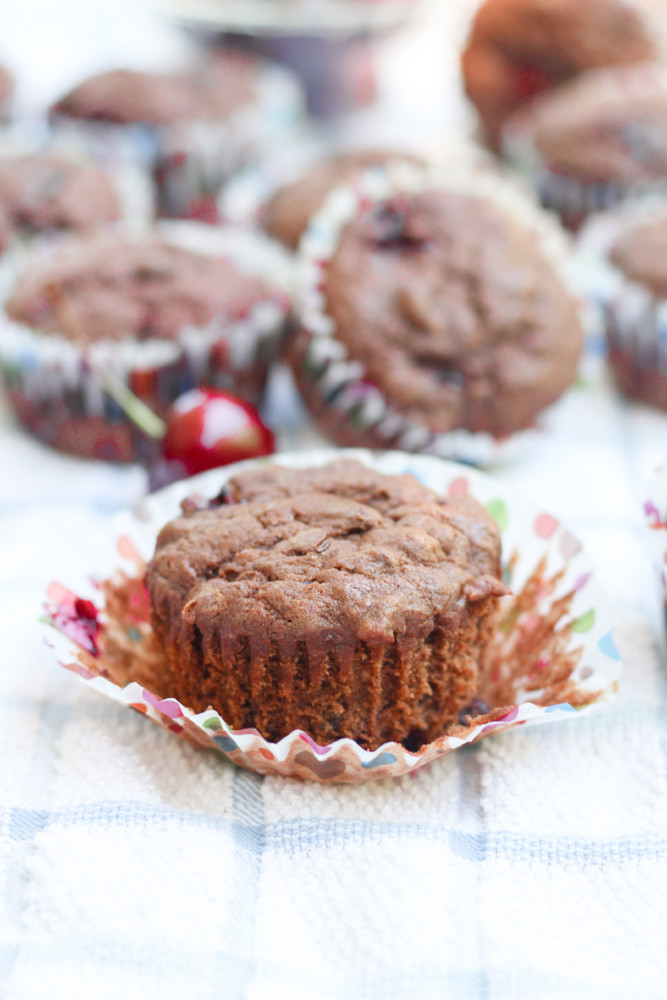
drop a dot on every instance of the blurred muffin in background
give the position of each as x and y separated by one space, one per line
193 128
631 245
518 49
431 305
158 314
594 141
44 192
288 212
6 87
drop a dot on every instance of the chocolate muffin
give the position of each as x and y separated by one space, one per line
111 289
607 126
444 310
287 214
334 600
634 304
221 86
45 192
109 311
519 48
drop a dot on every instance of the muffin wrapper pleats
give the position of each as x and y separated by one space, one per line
551 655
190 161
56 393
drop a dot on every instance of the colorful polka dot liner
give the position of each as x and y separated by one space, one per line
53 385
553 653
340 398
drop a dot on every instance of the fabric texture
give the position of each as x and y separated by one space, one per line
534 864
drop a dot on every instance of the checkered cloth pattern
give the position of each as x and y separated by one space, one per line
531 865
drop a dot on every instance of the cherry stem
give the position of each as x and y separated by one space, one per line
133 407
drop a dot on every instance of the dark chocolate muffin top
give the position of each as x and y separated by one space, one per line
607 125
519 48
641 253
454 312
287 214
327 556
222 85
106 288
41 192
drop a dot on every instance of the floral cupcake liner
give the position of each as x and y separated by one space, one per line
191 160
341 400
551 658
634 319
55 386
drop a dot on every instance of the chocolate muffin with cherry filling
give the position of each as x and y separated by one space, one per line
335 600
451 308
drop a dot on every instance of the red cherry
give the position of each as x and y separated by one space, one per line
207 428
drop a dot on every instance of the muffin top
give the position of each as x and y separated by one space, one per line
287 214
324 556
41 192
519 48
105 288
608 125
641 253
454 311
225 83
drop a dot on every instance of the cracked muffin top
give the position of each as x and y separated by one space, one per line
106 288
454 311
322 556
641 252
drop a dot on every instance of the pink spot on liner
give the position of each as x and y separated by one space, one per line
127 549
313 745
581 582
545 525
458 487
168 707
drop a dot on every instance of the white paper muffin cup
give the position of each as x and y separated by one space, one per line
190 160
340 399
555 596
56 392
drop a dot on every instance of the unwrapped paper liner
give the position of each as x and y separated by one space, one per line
555 590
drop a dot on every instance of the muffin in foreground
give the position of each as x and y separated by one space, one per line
430 305
595 141
518 49
335 600
151 312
